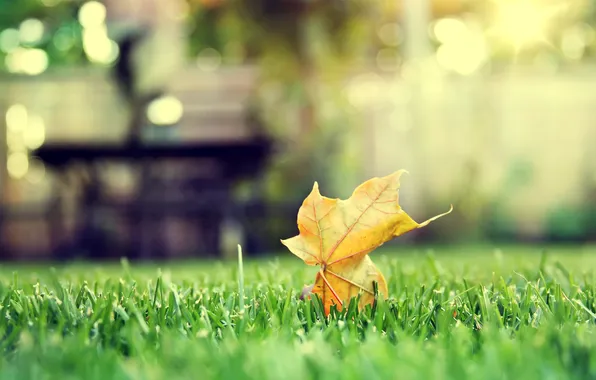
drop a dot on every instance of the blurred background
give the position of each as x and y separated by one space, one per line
178 128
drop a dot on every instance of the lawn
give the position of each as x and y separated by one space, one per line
453 313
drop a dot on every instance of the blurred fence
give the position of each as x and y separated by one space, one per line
515 146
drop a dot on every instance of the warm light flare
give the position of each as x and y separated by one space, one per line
523 23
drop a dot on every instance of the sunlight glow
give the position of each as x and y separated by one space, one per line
17 164
166 110
462 50
464 55
16 118
523 23
98 47
92 14
448 30
27 61
14 142
35 133
31 31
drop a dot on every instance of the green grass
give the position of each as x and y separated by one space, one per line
453 313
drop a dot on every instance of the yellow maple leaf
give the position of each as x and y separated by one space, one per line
339 234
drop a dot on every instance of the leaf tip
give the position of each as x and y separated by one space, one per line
426 222
397 174
315 189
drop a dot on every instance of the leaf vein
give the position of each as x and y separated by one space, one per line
349 281
334 248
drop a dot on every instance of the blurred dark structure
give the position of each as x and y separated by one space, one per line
184 168
189 177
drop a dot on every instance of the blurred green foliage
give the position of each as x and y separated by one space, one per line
62 37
